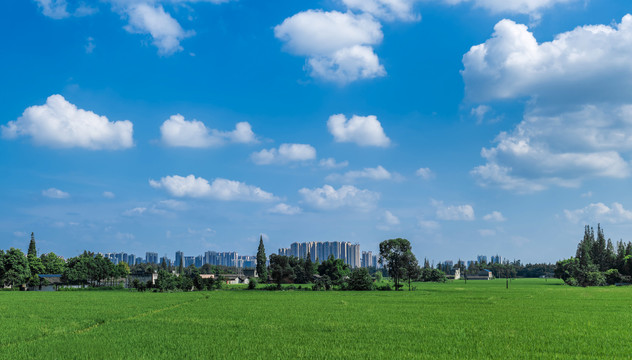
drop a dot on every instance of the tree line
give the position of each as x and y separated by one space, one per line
597 262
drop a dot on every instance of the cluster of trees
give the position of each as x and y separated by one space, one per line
95 270
596 261
189 279
396 256
17 269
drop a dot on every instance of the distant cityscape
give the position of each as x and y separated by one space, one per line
317 251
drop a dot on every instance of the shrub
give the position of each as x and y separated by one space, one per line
385 287
613 276
360 280
252 283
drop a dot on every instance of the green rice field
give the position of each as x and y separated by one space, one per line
533 319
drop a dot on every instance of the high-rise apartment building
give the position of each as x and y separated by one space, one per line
151 257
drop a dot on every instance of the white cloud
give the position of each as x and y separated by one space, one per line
137 211
377 173
579 121
90 45
362 130
328 197
145 18
284 154
109 195
588 64
389 10
338 46
125 236
527 7
425 173
560 150
60 124
330 163
285 209
390 219
599 212
55 9
221 189
178 132
54 193
496 216
454 212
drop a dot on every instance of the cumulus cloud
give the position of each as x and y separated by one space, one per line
362 130
220 189
496 216
390 219
599 212
389 10
425 173
54 193
338 46
327 197
61 124
560 150
377 173
166 32
178 132
284 154
285 209
108 194
454 212
588 64
579 120
330 163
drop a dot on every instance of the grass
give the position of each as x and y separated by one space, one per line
533 319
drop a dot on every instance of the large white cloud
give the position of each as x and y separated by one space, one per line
454 212
145 18
338 46
377 173
61 124
578 123
327 197
599 212
220 189
588 64
176 131
60 9
560 150
385 9
362 130
284 154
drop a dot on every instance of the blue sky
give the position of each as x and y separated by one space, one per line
466 126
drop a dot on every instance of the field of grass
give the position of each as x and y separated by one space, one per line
532 319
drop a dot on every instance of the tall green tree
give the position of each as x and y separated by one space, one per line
396 254
412 269
280 269
52 263
16 268
32 249
262 271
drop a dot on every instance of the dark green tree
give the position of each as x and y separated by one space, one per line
334 269
280 269
309 268
396 254
52 263
412 269
360 280
262 271
32 249
16 268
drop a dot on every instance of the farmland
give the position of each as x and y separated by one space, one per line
532 319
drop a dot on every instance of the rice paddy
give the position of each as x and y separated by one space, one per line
530 320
